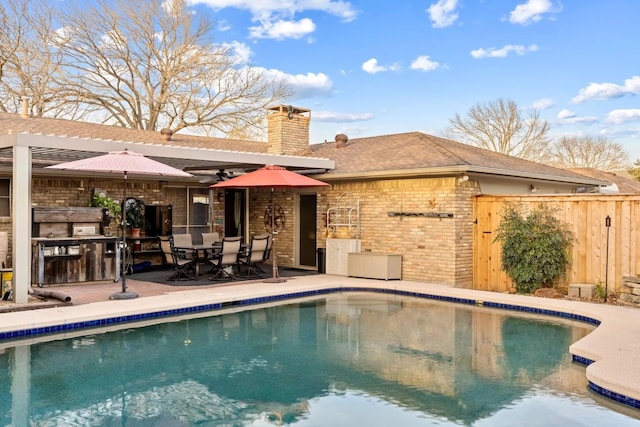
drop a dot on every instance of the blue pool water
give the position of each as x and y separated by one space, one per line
338 360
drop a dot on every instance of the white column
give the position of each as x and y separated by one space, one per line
21 219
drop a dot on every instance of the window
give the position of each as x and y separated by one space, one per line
5 190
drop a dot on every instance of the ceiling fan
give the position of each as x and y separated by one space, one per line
223 175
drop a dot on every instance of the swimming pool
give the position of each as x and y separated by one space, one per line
340 360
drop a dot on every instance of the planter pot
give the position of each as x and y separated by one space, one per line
135 232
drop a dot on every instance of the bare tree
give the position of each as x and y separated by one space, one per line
502 127
25 63
12 17
588 152
32 70
150 65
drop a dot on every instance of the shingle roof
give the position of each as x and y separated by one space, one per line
14 123
625 185
398 152
418 151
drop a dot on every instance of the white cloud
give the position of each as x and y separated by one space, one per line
223 25
261 8
543 104
424 63
443 13
621 116
281 30
327 116
240 53
371 66
529 12
303 85
566 114
569 117
504 51
63 34
604 91
275 18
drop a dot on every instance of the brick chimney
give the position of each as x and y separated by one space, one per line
25 107
288 130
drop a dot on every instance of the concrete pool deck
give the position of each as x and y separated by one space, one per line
613 347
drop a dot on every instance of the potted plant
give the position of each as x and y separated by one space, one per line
135 216
101 200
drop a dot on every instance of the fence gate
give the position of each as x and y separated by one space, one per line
585 216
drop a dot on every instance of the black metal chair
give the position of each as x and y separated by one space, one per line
225 260
184 263
254 256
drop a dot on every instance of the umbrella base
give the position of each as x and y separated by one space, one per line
123 295
274 280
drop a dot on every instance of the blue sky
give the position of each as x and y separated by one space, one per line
369 68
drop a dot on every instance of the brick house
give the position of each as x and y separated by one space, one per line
416 194
408 194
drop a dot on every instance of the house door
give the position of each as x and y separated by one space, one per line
307 230
235 208
198 213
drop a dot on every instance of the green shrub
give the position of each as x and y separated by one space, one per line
535 247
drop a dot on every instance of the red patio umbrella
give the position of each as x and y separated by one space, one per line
123 162
273 177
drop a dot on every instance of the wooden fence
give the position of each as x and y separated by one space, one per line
585 216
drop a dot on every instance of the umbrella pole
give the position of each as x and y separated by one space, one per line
123 251
274 263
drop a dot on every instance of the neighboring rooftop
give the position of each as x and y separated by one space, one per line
624 184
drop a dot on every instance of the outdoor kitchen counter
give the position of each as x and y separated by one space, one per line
74 259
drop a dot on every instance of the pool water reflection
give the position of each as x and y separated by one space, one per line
340 360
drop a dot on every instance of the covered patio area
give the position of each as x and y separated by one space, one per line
25 156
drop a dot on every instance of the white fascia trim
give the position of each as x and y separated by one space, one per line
167 151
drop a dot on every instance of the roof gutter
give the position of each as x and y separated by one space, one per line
456 170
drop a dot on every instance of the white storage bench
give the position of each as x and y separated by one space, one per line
371 265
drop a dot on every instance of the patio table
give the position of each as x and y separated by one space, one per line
200 253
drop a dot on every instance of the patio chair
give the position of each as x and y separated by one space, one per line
165 245
208 239
184 263
226 259
254 256
183 241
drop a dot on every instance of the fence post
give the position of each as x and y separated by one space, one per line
607 223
